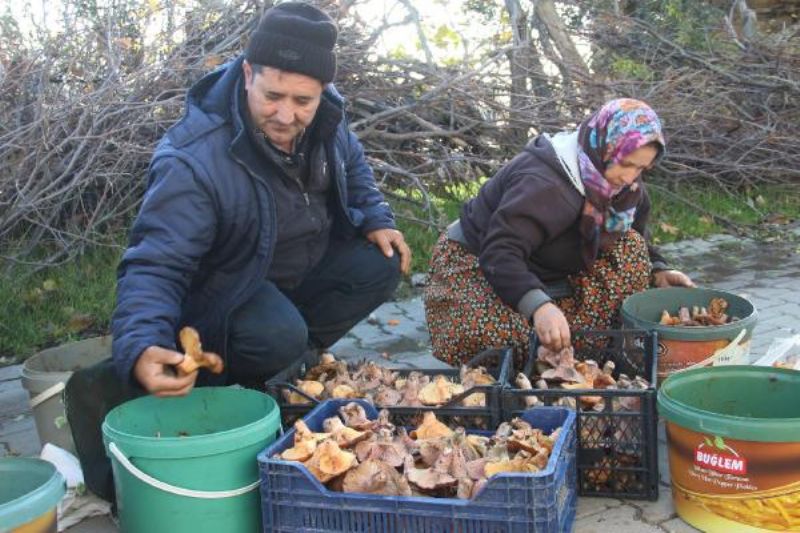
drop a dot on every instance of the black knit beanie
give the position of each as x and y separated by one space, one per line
295 37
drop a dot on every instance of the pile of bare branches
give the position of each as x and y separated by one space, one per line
78 123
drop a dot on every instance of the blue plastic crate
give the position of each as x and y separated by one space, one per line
544 502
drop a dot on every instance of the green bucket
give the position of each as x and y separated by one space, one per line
30 490
682 347
188 464
733 435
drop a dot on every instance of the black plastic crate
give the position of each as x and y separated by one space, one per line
496 361
293 500
617 450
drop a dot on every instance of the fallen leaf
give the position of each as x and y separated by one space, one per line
49 285
79 322
668 228
393 322
776 218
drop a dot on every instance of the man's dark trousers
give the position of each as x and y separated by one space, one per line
276 326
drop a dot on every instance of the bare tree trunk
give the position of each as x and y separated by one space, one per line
518 64
571 63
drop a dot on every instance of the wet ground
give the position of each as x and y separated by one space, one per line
766 270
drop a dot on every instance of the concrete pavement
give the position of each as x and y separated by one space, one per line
767 271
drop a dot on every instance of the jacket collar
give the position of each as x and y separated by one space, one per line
565 144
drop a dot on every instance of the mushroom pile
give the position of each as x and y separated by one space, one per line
713 315
562 370
355 454
381 386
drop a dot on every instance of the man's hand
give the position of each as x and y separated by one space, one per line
672 278
551 327
387 240
156 373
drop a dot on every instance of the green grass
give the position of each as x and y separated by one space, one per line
673 219
56 305
74 301
422 237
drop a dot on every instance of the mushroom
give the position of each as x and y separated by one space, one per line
301 451
387 396
518 464
554 359
471 377
431 428
564 372
605 379
355 416
344 392
195 358
410 388
327 368
383 422
440 391
345 437
376 477
303 432
430 479
387 449
524 383
311 388
330 461
305 443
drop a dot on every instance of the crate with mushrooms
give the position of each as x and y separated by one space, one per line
347 466
608 378
469 395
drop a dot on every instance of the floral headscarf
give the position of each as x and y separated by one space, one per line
619 128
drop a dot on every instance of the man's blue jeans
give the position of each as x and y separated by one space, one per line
275 327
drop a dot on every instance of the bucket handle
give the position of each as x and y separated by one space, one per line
172 489
46 394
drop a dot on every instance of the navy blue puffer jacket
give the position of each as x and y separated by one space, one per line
205 233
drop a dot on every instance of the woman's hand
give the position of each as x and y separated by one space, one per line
672 278
552 327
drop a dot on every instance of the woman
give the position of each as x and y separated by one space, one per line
556 238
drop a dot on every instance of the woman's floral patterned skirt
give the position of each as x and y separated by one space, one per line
465 316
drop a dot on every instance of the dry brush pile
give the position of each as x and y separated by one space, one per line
80 113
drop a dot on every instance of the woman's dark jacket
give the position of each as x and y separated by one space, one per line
204 236
524 227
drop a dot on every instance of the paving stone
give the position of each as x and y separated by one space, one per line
13 400
10 372
781 321
676 525
18 437
592 506
622 519
657 511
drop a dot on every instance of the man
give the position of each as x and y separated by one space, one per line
262 226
